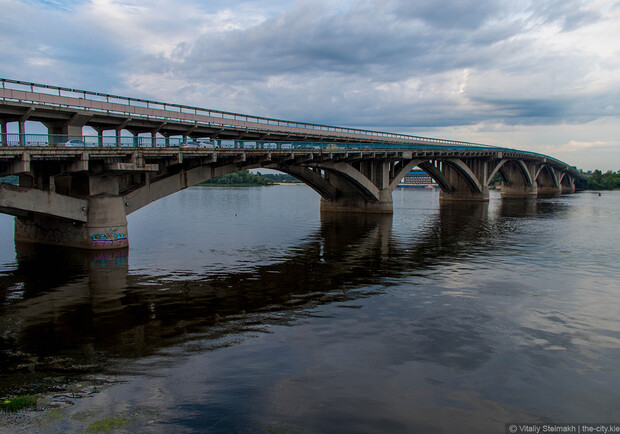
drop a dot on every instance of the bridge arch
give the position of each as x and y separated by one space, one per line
457 178
518 180
313 179
434 169
547 181
349 180
567 183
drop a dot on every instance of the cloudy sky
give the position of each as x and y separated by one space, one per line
539 75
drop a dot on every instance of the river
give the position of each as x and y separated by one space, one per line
245 310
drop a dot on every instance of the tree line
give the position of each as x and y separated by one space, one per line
603 181
245 177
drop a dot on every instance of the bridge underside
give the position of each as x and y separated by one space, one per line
82 197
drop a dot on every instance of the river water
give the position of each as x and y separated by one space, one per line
245 310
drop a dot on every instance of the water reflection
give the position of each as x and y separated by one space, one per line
532 208
77 312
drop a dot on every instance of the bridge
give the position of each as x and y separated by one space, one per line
76 190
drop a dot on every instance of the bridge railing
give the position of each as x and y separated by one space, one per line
15 140
112 141
136 107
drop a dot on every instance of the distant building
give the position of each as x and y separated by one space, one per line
418 178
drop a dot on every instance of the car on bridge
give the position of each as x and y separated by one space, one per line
75 143
201 143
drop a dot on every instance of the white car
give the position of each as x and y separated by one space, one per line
200 143
73 144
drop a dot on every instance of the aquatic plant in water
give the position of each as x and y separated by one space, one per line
17 403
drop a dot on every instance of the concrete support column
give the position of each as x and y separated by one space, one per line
3 133
74 131
72 127
153 139
381 174
99 136
118 137
66 130
22 132
107 223
135 139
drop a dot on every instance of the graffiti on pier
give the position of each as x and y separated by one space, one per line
109 258
117 239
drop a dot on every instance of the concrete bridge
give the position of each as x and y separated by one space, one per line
76 190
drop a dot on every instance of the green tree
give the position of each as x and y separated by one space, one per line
243 177
603 181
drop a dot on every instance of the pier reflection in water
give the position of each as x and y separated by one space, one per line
367 324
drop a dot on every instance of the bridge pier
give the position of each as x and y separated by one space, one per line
567 183
568 189
459 179
548 191
547 182
464 196
518 180
361 187
75 202
105 227
3 133
357 204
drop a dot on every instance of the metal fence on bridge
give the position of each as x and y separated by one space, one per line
148 141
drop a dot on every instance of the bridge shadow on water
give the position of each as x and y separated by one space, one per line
68 312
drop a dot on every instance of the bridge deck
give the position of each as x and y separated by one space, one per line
43 103
58 107
275 151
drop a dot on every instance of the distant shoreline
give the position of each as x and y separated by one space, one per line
232 185
247 185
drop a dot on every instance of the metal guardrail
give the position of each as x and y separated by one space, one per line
15 140
148 141
232 118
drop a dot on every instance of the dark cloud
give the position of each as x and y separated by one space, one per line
311 62
366 41
454 14
570 15
370 63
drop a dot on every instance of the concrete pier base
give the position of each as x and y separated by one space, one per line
519 195
568 189
464 196
519 191
549 191
355 205
106 227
